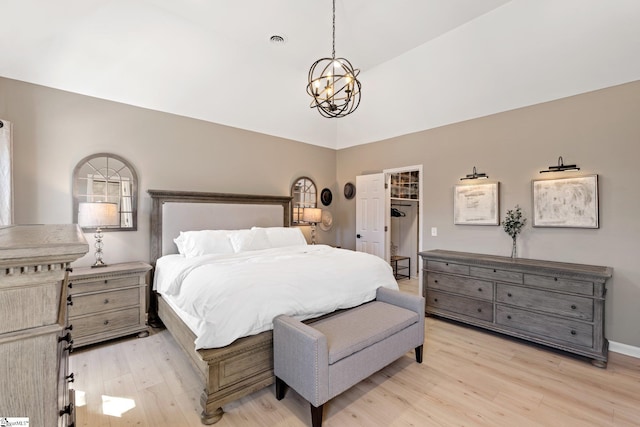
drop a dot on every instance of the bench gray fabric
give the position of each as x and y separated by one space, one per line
322 359
375 321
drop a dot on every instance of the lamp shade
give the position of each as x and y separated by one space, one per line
312 215
97 214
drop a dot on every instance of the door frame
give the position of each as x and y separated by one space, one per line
387 177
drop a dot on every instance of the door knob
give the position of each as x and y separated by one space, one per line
358 236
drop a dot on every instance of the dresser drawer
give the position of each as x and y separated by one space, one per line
111 300
84 286
546 327
105 322
469 307
496 274
447 267
549 302
461 285
559 284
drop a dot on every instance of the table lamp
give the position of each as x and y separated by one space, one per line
313 216
97 215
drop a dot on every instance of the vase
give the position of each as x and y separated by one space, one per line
514 249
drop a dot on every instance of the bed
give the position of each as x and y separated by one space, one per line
234 365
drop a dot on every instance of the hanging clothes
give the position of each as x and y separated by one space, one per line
395 212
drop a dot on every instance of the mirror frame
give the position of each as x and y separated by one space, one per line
134 192
296 204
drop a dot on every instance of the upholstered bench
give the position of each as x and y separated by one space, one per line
322 359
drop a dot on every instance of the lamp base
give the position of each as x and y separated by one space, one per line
96 265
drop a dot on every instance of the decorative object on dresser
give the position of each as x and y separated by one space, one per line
312 216
512 225
109 302
556 304
35 338
476 204
98 215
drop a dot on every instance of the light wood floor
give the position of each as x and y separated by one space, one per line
468 378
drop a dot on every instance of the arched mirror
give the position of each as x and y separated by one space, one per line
305 195
105 193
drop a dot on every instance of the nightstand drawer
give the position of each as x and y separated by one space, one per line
468 286
468 307
549 302
103 301
83 286
548 327
105 322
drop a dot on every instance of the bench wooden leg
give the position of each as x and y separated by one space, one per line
281 388
316 415
419 354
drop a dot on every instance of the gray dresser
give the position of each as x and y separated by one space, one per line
556 304
35 338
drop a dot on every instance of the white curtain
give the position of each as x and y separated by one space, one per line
6 179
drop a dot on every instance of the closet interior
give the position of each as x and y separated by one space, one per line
404 225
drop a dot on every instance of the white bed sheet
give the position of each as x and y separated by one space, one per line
230 296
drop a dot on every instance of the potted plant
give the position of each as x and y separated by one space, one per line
512 224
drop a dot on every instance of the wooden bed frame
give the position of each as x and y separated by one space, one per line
231 372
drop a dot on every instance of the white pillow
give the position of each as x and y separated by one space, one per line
249 240
203 242
284 236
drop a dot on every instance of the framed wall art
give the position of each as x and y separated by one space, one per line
476 204
566 202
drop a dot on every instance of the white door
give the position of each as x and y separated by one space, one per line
370 214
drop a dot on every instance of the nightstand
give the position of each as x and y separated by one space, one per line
108 302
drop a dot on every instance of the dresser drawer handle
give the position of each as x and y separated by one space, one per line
446 263
69 301
509 316
573 307
67 409
509 294
573 332
555 279
69 377
70 285
66 338
106 281
435 281
106 322
479 289
494 270
435 300
106 300
479 310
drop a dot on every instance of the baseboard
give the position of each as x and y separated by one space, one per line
629 350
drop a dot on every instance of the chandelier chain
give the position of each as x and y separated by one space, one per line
333 52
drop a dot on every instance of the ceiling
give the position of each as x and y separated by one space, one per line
424 63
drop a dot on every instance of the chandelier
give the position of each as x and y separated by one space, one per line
333 83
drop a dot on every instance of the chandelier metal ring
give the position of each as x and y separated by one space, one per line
333 83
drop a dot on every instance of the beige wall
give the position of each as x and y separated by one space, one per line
600 131
54 129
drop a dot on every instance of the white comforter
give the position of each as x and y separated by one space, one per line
239 294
